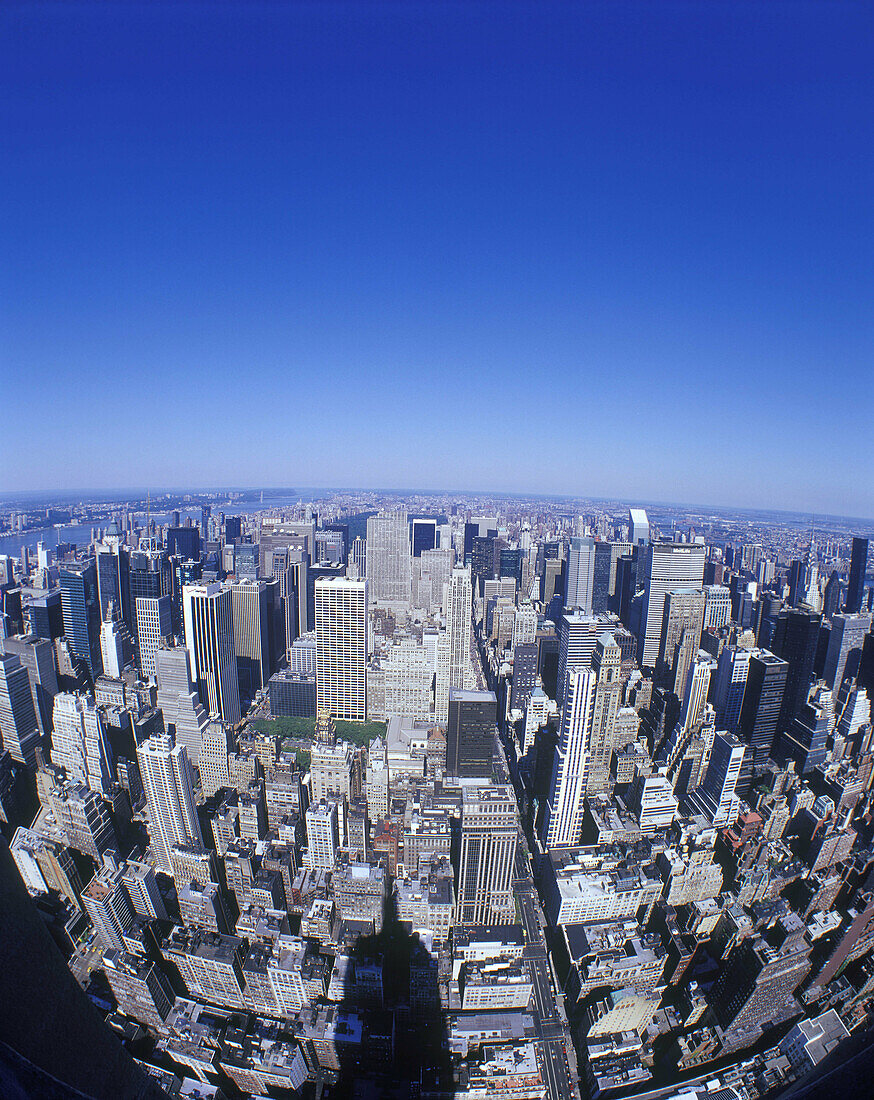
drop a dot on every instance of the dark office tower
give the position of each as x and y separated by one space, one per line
470 733
832 598
626 580
182 573
601 577
175 519
424 536
770 607
858 572
113 568
525 659
338 536
80 603
760 713
205 512
796 633
46 616
471 531
552 581
184 541
150 578
233 528
510 564
19 730
797 572
482 561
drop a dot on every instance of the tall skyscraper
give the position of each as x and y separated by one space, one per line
716 797
606 664
858 572
80 743
424 536
251 609
580 575
341 647
667 566
489 831
169 786
470 733
638 526
795 638
38 657
18 722
844 651
154 623
112 647
578 636
209 635
563 815
760 713
453 650
682 622
80 603
184 716
113 575
388 558
603 576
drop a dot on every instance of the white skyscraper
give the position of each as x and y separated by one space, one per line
524 625
323 835
111 648
153 624
667 566
563 818
169 786
79 742
580 575
209 635
388 558
453 650
638 526
341 647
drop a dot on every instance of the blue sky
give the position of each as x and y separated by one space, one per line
607 249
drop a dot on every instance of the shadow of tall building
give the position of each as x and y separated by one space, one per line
391 991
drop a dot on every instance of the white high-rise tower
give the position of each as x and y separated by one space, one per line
388 558
563 818
453 649
341 647
168 783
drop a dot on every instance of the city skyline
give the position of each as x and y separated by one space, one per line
426 226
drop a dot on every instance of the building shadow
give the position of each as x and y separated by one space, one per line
391 993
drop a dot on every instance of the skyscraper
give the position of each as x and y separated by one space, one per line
845 642
81 609
80 744
580 575
666 566
154 622
388 558
341 647
424 535
470 733
638 526
453 652
38 657
606 664
113 575
252 635
209 635
563 816
169 787
796 634
760 713
682 622
716 796
18 723
184 717
858 572
489 831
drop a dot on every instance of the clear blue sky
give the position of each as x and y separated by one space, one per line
591 248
